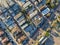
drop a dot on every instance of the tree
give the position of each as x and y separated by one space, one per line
52 5
48 1
47 34
23 11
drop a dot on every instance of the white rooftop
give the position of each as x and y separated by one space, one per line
44 12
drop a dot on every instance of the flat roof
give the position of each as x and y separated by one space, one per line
47 10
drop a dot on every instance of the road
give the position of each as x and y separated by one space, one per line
56 40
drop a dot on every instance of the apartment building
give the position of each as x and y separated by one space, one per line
17 20
5 38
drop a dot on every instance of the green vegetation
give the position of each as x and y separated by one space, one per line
48 1
28 22
58 24
29 7
51 4
23 11
47 34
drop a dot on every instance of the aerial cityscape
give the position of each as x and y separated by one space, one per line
29 22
